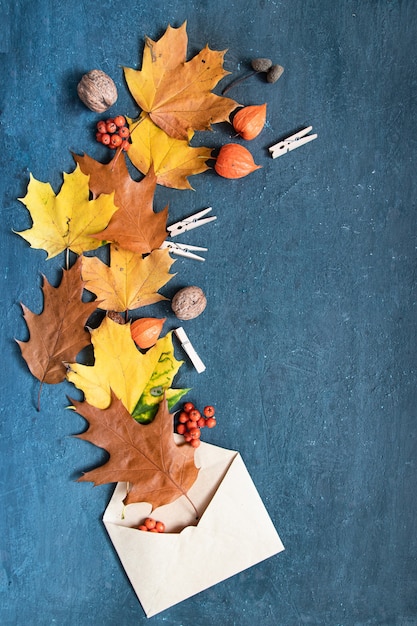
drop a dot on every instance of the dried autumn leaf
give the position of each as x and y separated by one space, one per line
118 365
135 226
172 160
57 334
146 456
67 220
159 384
131 281
176 93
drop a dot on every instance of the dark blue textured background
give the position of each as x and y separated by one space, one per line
309 333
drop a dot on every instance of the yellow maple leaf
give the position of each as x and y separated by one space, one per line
131 281
177 93
173 160
118 366
66 220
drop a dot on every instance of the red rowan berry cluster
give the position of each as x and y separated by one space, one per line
152 526
114 133
191 421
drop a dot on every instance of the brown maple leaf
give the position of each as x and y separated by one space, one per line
58 333
144 455
135 226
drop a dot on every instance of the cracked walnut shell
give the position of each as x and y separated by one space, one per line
188 303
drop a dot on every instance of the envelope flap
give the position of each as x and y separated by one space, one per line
234 533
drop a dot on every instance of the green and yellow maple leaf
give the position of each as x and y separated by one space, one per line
67 220
176 93
131 281
120 366
173 160
160 383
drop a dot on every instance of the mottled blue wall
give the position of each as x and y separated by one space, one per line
309 333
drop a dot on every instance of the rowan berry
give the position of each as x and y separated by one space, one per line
201 422
105 139
195 443
188 406
101 126
119 120
211 422
181 429
183 417
115 141
149 523
209 411
153 530
160 527
125 145
111 126
195 433
142 527
124 132
99 136
194 415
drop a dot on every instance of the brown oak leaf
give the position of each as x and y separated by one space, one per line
135 226
144 455
58 333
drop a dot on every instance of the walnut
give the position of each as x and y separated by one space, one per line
97 91
188 303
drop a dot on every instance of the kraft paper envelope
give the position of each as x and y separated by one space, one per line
233 533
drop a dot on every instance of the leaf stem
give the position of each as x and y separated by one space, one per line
184 493
38 405
135 124
197 515
238 81
115 158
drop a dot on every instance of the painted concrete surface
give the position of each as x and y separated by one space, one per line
310 328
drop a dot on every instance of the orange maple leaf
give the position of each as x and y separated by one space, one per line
144 455
177 94
135 226
58 333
